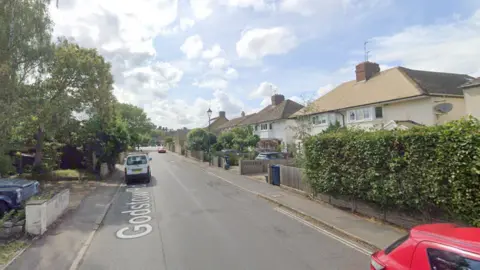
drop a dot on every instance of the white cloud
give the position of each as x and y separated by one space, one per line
255 4
449 47
212 83
231 74
260 42
219 63
186 23
215 51
192 47
201 8
324 89
266 89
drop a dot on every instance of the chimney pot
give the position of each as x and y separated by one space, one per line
221 114
366 70
277 99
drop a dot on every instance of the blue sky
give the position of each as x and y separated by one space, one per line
175 58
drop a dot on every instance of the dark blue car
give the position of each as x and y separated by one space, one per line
13 192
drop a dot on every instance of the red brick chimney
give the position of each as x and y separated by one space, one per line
277 99
366 70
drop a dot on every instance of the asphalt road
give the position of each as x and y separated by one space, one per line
189 219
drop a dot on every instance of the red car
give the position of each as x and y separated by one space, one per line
162 149
432 247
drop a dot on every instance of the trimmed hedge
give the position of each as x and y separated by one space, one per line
430 170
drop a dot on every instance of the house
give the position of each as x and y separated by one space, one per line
236 122
376 98
272 123
471 91
216 122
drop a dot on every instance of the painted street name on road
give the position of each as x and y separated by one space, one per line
140 206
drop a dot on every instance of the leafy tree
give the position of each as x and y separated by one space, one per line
73 78
138 123
243 138
239 138
198 139
225 140
25 47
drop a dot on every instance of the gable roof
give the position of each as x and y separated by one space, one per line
437 82
215 123
472 83
389 85
270 113
235 122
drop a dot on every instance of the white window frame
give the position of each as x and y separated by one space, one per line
264 126
320 120
360 115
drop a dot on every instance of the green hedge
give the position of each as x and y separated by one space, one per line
429 170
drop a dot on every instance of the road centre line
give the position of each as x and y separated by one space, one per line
327 233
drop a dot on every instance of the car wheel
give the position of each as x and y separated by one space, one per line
3 208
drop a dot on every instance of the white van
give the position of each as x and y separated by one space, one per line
137 166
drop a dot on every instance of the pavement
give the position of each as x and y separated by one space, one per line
373 234
59 246
188 218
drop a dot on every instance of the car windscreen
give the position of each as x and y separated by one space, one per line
137 160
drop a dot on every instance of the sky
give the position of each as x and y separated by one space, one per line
177 58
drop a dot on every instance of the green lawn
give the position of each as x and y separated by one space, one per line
67 173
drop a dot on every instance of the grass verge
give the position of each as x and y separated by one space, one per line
9 250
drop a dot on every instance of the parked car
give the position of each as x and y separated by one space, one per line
137 166
270 156
13 192
162 149
432 246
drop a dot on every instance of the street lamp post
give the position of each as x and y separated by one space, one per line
209 113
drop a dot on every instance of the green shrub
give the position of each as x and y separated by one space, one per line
423 169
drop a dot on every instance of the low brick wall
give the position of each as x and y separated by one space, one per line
198 155
42 213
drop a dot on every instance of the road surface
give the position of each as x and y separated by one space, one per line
188 219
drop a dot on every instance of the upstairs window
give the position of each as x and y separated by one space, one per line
271 125
264 127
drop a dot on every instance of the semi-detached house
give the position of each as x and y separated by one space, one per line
272 124
395 98
471 91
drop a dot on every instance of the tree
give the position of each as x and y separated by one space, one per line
198 139
243 138
226 140
75 80
25 47
138 123
239 138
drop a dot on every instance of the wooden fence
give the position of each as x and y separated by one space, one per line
260 166
293 177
